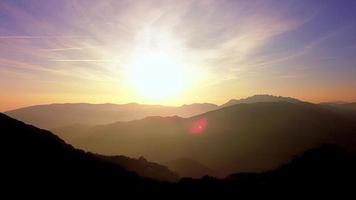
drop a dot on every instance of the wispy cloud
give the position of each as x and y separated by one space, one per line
37 37
219 40
215 37
63 49
84 60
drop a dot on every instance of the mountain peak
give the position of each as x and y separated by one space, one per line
260 98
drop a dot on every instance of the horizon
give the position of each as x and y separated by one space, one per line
168 105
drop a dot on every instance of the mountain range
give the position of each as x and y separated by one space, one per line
253 134
60 115
53 116
37 164
242 137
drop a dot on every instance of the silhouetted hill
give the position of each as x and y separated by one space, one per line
36 158
326 172
242 137
260 98
62 115
186 167
143 168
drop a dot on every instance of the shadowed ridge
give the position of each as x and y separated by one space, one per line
187 167
324 172
36 158
143 167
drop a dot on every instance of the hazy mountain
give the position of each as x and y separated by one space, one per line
260 98
351 106
242 137
54 116
45 154
342 105
38 164
61 115
186 167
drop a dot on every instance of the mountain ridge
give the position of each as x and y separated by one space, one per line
57 115
260 98
34 141
233 135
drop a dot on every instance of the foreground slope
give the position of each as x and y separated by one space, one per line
242 137
325 172
33 155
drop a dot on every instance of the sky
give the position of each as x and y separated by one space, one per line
175 52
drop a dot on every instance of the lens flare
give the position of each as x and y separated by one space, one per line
199 126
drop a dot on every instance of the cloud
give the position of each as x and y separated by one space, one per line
84 60
64 49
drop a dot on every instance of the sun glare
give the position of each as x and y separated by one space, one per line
155 71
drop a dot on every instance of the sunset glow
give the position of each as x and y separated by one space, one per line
156 71
174 52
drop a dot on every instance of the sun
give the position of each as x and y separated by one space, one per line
155 71
156 76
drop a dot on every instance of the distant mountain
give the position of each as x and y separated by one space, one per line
242 137
46 155
53 116
186 167
260 98
342 105
351 106
61 115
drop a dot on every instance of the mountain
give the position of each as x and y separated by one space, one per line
351 106
36 158
242 137
62 115
260 98
186 167
36 163
342 105
325 172
53 116
33 153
